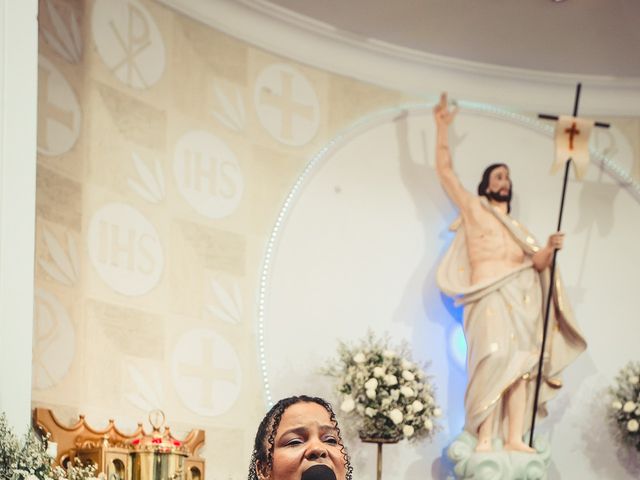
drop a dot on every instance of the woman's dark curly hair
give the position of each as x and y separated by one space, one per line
265 437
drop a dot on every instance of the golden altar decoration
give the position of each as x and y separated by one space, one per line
138 456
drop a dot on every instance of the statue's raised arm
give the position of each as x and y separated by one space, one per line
443 117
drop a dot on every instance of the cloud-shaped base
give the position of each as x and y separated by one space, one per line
498 464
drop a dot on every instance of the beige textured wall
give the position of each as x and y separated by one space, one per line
165 152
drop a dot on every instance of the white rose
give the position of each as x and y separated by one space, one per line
395 394
396 416
407 391
406 364
385 402
359 357
633 425
407 375
388 354
378 372
417 406
370 412
360 408
371 394
347 405
390 380
629 407
407 430
371 384
634 379
616 405
428 424
437 412
428 399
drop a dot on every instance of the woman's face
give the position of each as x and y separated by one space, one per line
306 436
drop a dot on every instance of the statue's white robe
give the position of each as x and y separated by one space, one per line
503 322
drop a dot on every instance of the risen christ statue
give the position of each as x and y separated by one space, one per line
497 271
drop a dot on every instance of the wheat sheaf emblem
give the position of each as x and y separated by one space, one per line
63 37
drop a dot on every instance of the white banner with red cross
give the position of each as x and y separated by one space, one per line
572 142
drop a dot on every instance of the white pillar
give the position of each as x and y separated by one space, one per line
18 120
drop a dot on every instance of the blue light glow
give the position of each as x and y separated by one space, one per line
458 346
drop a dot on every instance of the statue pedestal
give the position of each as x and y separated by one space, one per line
498 464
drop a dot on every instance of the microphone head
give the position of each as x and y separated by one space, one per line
318 472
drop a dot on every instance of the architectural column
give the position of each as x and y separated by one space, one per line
18 119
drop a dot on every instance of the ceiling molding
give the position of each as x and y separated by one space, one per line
424 75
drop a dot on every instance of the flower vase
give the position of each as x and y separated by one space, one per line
379 441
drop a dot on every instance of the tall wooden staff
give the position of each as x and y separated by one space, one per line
572 132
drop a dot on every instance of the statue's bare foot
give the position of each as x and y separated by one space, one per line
519 447
484 445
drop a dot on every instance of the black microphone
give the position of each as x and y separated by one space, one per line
318 472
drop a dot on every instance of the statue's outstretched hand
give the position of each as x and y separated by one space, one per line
441 112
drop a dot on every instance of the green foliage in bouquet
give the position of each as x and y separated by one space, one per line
625 406
9 449
29 460
77 471
385 393
33 460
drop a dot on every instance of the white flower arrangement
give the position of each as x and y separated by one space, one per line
29 460
387 394
625 404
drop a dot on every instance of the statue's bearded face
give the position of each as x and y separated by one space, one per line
499 188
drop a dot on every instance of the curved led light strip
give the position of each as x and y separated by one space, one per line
361 125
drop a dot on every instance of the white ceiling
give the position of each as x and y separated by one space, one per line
516 54
585 37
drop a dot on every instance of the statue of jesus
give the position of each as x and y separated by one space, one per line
497 271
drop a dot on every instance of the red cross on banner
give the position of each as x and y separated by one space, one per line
572 141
